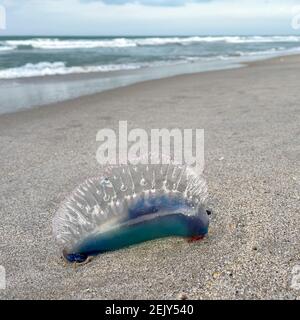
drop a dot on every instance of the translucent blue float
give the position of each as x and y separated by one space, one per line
131 204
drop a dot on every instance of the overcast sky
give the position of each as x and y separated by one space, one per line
149 17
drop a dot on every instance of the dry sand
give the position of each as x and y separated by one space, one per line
251 121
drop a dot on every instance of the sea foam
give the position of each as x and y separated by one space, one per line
59 68
57 44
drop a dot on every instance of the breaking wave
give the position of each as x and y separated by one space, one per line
58 68
57 44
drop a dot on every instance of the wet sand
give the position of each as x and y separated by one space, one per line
251 121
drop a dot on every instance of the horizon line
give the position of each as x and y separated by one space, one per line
149 35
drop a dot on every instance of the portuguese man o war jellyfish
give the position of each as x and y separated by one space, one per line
130 204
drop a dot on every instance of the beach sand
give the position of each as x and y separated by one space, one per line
251 121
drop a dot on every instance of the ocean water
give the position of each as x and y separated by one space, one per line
117 61
39 56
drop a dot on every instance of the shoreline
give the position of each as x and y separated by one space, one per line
251 120
68 87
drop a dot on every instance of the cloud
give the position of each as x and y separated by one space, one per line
148 17
162 3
